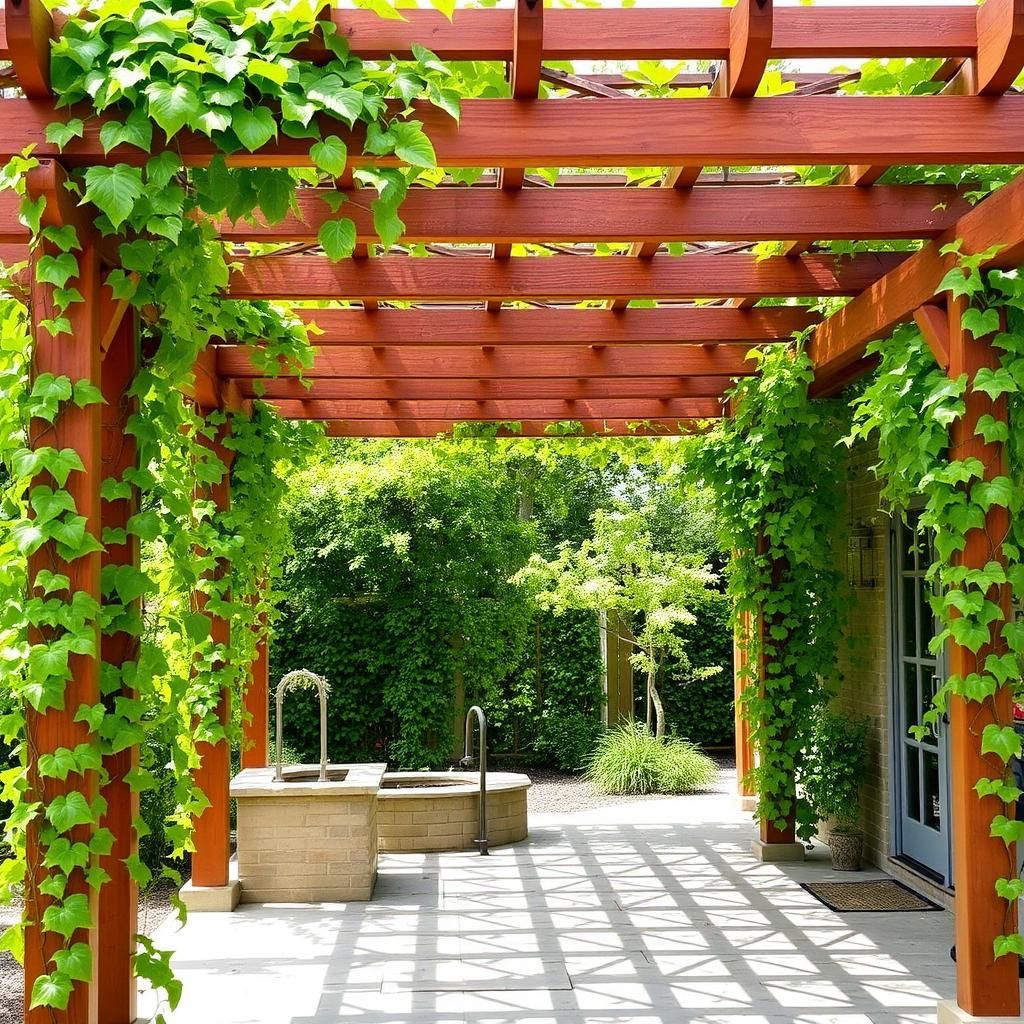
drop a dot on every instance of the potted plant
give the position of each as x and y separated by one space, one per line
834 771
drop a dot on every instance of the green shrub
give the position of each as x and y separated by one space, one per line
567 739
835 767
629 760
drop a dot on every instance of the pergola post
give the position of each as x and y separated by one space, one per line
986 986
256 724
211 888
744 747
117 919
76 356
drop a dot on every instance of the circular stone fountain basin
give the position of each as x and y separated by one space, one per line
431 812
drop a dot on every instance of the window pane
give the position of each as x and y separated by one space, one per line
913 791
909 624
932 804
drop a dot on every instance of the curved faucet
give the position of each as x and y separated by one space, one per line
467 762
302 678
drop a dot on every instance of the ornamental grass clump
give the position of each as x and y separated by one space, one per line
630 760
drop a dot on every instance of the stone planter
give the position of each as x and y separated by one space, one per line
847 850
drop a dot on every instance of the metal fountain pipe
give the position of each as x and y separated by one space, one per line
299 679
481 718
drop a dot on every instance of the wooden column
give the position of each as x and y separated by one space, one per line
741 679
117 921
986 986
255 731
76 356
212 827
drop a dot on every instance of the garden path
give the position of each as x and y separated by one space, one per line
644 913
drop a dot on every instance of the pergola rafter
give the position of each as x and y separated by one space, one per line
460 354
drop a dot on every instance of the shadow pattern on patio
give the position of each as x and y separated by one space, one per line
584 923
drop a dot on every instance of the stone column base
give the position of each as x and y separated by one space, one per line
948 1012
211 899
774 853
747 803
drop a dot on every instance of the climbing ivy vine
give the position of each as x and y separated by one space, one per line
774 466
909 408
238 73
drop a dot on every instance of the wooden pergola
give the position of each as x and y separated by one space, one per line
470 332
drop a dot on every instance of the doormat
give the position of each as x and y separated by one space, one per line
884 895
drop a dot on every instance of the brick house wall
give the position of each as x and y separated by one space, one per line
865 670
863 653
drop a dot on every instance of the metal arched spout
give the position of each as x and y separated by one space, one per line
301 679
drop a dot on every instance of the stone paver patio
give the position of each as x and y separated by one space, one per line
642 913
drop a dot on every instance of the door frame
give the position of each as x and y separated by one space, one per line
893 594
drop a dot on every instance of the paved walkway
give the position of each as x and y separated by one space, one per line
647 913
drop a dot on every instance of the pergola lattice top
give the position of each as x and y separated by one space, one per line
477 333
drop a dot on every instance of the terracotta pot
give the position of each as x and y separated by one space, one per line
847 850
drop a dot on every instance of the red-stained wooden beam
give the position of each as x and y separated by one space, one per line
649 215
1000 56
460 389
557 278
524 428
524 79
667 325
933 323
49 181
118 900
616 133
986 985
750 45
212 827
75 356
528 361
664 33
255 751
840 341
29 30
458 410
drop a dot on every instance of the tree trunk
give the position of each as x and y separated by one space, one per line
654 699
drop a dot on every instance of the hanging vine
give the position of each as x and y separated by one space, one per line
774 465
909 407
234 72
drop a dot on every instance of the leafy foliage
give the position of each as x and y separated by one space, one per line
398 586
620 570
773 466
836 767
911 406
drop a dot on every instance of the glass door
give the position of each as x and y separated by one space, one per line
921 788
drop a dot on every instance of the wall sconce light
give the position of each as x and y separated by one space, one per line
860 557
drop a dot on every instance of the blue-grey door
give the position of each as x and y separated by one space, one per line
921 782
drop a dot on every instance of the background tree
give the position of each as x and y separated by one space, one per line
620 569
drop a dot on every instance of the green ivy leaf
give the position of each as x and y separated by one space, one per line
172 105
66 811
411 144
1002 741
330 155
56 270
53 990
254 128
332 93
75 962
145 525
337 238
114 191
68 917
60 134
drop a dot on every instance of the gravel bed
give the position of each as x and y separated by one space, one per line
554 791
